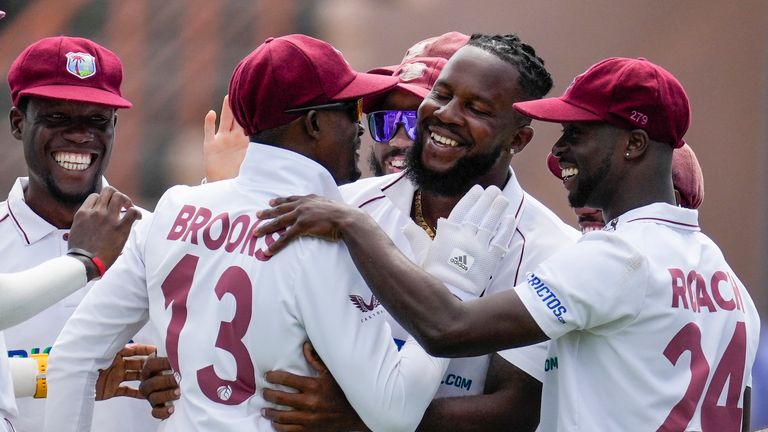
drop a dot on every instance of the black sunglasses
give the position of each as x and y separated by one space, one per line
354 108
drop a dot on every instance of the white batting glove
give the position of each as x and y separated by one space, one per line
469 244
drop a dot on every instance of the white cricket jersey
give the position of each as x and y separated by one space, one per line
7 402
229 314
27 240
650 328
539 234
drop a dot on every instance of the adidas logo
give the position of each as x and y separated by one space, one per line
460 260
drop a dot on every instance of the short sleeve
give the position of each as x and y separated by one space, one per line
596 285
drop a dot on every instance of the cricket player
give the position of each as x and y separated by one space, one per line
510 397
649 327
98 233
228 312
479 134
687 179
65 93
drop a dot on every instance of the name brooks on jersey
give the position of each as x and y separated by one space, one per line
690 291
198 226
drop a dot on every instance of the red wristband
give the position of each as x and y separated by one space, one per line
99 265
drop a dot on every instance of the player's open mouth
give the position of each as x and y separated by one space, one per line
569 173
591 227
74 161
397 163
443 141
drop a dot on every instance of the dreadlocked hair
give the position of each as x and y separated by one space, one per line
535 80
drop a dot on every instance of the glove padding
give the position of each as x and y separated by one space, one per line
469 244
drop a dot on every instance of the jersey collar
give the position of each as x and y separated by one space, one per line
658 213
285 172
400 191
30 226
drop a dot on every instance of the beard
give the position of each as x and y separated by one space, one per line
454 182
375 166
588 182
70 199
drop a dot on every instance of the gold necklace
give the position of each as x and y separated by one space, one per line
419 216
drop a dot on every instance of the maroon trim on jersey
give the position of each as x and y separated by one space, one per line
520 207
393 182
664 220
371 200
522 253
17 222
382 189
5 216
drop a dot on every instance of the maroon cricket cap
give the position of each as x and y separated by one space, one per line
294 71
68 68
687 177
628 93
420 67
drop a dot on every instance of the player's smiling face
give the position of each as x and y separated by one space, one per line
587 153
389 157
67 146
466 125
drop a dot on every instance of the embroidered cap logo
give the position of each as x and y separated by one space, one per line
412 71
81 65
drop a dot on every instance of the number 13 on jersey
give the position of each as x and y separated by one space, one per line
235 281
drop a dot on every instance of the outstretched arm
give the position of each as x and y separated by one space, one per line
442 323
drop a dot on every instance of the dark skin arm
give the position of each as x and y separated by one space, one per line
101 229
443 325
511 402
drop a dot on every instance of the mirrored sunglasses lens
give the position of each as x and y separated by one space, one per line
382 125
409 122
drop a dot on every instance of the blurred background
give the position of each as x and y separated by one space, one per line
178 56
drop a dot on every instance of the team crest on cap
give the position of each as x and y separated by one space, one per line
81 65
416 50
412 71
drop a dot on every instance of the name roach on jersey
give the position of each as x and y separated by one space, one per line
690 291
198 226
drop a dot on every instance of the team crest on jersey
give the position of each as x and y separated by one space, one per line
359 301
369 309
81 65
